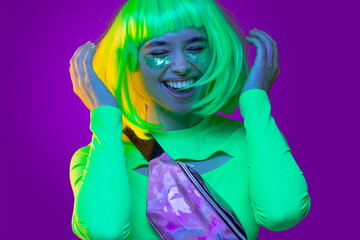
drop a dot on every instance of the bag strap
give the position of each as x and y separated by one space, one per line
150 149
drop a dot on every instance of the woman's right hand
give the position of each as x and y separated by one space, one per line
86 84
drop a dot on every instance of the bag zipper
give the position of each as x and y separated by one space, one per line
218 208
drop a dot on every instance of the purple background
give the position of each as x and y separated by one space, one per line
43 122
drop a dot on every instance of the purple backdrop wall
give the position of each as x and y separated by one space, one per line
43 122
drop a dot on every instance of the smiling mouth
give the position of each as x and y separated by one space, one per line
177 90
180 94
180 91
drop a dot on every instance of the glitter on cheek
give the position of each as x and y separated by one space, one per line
157 63
198 58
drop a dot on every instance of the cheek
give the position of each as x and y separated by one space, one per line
156 64
149 79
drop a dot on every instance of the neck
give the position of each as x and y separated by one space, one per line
172 121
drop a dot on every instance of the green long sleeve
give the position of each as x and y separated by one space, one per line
267 186
277 187
98 176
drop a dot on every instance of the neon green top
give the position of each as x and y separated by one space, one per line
261 182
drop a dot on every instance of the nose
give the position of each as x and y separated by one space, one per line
180 64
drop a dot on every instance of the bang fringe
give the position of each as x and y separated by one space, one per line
160 17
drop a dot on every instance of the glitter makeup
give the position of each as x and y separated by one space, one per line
157 63
198 58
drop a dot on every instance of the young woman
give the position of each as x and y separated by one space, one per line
162 69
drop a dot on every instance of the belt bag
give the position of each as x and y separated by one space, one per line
181 205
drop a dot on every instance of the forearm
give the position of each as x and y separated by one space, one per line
102 198
278 189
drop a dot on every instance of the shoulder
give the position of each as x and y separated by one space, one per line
80 156
83 150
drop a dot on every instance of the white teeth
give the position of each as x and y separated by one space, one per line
181 84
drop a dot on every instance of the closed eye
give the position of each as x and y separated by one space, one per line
196 49
162 54
159 54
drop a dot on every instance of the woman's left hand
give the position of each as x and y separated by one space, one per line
266 65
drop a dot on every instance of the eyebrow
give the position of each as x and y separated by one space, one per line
163 43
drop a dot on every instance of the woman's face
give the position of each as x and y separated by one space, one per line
171 61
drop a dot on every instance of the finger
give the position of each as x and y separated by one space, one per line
77 52
275 47
267 35
79 62
260 48
268 43
72 60
74 82
81 48
87 62
73 75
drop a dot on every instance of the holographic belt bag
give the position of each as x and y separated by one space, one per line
181 205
